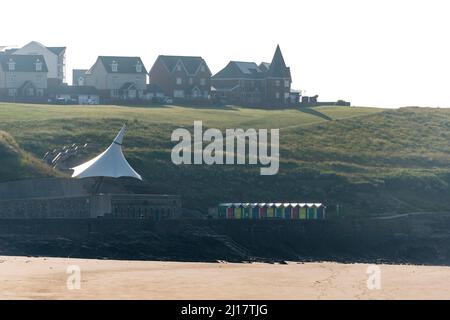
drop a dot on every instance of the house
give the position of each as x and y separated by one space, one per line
23 77
250 83
74 94
118 78
182 77
55 58
79 77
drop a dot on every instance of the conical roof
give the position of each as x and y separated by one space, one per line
278 67
111 163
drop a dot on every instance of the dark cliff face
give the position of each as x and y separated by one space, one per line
415 239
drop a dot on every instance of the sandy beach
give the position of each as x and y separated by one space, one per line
47 278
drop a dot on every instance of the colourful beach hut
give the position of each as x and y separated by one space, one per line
320 211
222 210
238 208
311 211
295 211
279 210
303 208
246 211
230 211
270 210
262 211
255 211
287 211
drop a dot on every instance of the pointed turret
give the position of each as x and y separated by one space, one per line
278 67
110 163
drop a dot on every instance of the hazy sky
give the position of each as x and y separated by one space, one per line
374 53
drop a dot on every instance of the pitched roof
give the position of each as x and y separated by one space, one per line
240 69
190 63
125 64
278 67
250 70
24 63
57 50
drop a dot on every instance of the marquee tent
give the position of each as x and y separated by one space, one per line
110 163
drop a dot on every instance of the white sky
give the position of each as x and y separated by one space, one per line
388 53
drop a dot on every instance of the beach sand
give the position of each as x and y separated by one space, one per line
46 278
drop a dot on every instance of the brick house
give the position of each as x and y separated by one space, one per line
118 78
249 83
23 77
182 77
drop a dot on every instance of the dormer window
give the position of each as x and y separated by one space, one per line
202 68
178 67
138 67
11 65
114 66
38 65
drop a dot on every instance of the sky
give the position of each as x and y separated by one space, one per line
387 53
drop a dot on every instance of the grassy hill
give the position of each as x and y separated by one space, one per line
367 160
15 162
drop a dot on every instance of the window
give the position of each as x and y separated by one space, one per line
287 83
286 95
11 65
179 81
12 92
277 83
277 95
202 68
178 93
114 66
81 81
139 67
202 81
178 67
38 65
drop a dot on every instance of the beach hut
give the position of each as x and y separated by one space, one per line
287 211
238 207
295 211
255 211
311 211
270 210
279 210
303 208
320 211
262 211
246 211
230 211
222 210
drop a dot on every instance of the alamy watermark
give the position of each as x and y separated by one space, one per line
229 149
74 279
374 279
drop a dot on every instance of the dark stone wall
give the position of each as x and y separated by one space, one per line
414 239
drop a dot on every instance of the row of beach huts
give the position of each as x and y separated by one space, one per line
289 211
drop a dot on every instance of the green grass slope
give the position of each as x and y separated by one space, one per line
367 160
15 163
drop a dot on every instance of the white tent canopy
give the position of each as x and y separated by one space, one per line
110 163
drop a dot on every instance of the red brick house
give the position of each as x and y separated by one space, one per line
249 83
182 77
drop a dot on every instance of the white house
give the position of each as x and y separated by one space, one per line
118 78
55 58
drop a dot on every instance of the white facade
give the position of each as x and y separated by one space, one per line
55 63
